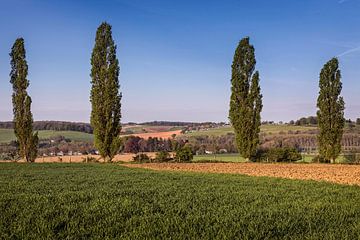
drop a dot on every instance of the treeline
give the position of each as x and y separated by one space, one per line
134 144
301 141
54 146
311 120
170 123
55 126
86 127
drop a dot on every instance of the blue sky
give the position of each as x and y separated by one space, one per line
175 56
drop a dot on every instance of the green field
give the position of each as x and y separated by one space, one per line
264 128
106 201
231 157
7 135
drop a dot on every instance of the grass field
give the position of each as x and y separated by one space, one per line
81 201
264 128
7 135
231 157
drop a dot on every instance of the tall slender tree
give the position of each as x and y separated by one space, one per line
105 97
245 100
330 112
23 119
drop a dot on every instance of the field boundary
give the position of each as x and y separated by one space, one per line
334 173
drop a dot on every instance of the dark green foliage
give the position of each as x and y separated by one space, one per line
141 157
352 157
319 159
283 154
246 100
311 120
184 154
89 159
330 112
210 161
54 125
9 156
162 156
105 97
358 121
23 119
101 201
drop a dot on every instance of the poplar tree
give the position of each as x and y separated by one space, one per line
105 97
330 112
23 119
245 100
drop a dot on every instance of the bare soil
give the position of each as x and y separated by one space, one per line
336 173
164 135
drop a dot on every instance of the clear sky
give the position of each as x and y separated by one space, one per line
175 56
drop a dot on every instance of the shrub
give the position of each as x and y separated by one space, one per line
184 154
9 157
141 157
319 159
285 154
352 158
89 159
162 156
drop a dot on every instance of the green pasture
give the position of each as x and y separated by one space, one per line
232 157
7 135
110 201
269 129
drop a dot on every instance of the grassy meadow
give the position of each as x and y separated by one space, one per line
267 128
7 135
102 201
230 157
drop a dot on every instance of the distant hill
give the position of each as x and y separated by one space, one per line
7 135
54 126
86 127
170 123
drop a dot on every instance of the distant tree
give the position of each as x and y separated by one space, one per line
246 100
105 97
184 154
312 120
141 157
348 120
132 144
23 119
162 156
358 121
330 112
351 126
292 122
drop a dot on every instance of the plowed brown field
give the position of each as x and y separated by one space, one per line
344 174
164 135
